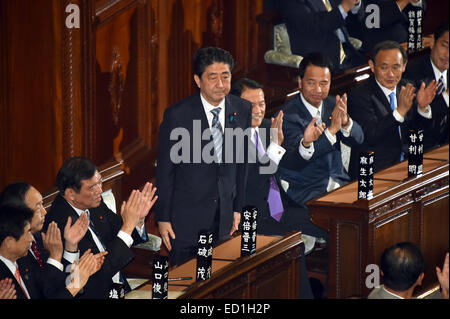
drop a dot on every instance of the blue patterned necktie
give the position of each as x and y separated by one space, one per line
274 197
393 107
217 133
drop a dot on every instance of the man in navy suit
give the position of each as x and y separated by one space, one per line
200 179
425 69
324 26
319 167
387 107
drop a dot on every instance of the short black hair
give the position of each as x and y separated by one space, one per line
402 265
73 171
14 193
441 30
242 84
204 57
314 58
388 45
13 220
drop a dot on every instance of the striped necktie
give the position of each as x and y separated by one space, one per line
342 52
217 133
441 86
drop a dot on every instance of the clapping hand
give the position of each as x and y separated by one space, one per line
74 233
426 94
277 127
7 290
148 199
405 99
52 241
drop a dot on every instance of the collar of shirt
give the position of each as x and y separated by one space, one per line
11 265
387 92
79 211
208 107
438 74
311 109
392 293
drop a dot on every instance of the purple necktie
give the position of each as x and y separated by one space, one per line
274 198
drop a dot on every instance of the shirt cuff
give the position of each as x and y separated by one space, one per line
331 138
71 257
275 152
398 117
306 153
346 131
426 114
55 263
126 238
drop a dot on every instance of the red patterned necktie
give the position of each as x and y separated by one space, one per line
37 253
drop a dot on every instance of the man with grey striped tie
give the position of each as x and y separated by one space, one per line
200 177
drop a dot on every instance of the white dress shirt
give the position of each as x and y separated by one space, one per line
208 107
275 152
437 76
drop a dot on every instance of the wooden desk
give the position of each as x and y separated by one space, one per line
272 272
402 209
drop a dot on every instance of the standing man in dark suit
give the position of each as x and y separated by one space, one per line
320 169
321 26
425 69
204 189
80 188
383 105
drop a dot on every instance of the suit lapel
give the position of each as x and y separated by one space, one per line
379 98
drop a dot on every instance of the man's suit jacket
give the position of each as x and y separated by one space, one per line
420 70
50 281
107 225
192 191
368 105
29 280
308 179
312 29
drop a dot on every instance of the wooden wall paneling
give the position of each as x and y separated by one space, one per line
31 73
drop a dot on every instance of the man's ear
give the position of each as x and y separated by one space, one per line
197 80
372 66
299 81
419 280
69 193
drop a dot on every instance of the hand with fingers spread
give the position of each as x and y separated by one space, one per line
7 290
312 133
277 128
130 211
148 200
74 233
426 95
405 99
166 231
52 241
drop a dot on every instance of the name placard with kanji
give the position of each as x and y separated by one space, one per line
160 277
365 175
249 226
415 153
204 255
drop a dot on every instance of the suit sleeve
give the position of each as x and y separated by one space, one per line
165 169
